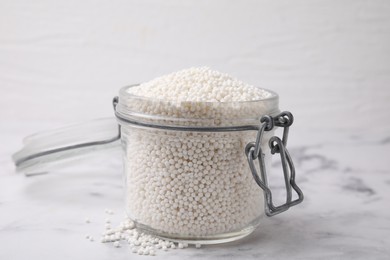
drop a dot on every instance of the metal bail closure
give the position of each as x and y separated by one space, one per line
253 151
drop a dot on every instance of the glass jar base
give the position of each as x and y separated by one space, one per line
203 240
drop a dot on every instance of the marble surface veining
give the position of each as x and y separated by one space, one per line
345 214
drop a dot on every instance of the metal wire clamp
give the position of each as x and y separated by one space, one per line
254 152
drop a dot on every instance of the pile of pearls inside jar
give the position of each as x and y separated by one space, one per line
188 185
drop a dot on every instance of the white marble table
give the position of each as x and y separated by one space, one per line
63 61
345 214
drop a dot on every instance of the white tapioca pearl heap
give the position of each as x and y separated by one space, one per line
139 243
193 183
199 85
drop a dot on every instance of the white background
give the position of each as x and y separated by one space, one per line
63 61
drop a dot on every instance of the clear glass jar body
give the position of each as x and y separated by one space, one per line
192 185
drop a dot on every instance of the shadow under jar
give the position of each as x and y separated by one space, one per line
186 168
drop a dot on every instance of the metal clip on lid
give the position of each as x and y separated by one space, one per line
253 151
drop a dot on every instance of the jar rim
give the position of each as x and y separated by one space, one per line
123 93
139 109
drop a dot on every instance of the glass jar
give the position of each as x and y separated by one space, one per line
194 171
186 167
